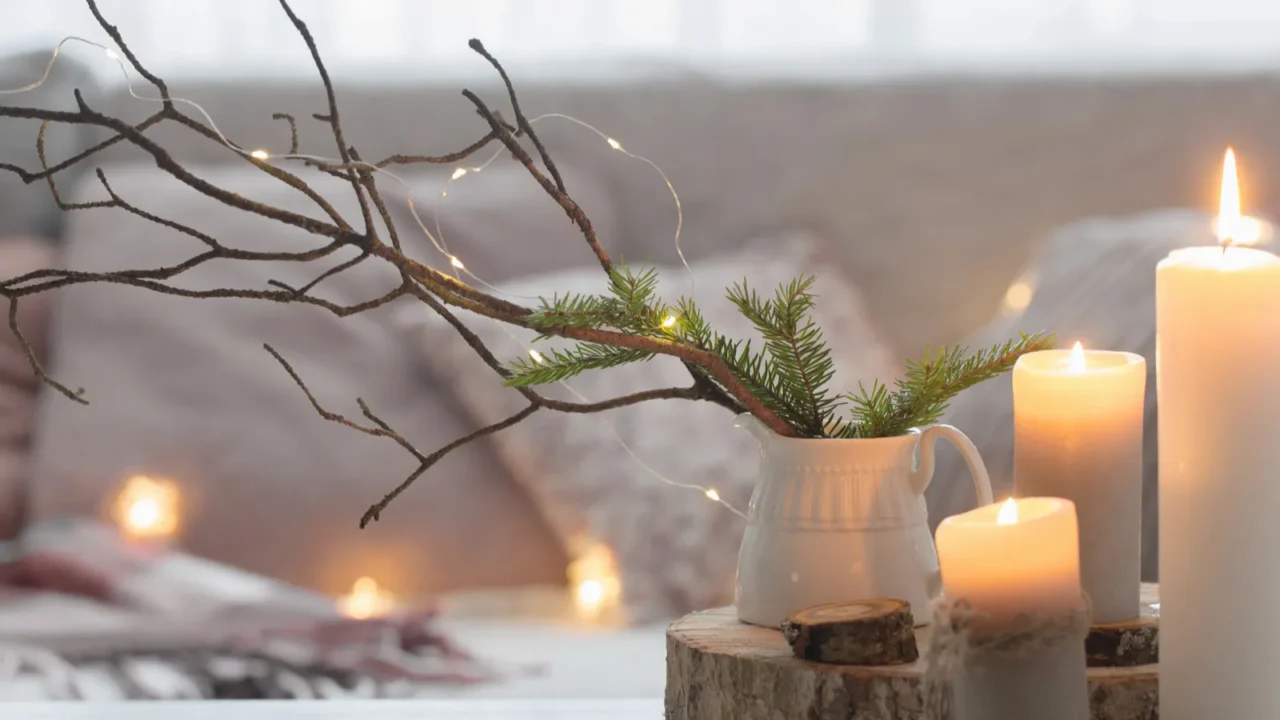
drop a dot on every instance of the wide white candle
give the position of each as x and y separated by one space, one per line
1078 435
1018 558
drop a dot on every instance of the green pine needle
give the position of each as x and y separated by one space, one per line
926 389
560 365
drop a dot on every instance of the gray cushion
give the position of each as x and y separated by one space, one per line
1094 282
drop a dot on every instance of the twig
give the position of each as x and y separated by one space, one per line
445 159
571 207
522 121
334 122
293 130
128 54
36 366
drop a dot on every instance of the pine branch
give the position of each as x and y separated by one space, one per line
927 387
798 358
564 364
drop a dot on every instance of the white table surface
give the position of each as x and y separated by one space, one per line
646 709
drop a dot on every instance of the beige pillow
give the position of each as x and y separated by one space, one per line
1094 282
676 551
182 388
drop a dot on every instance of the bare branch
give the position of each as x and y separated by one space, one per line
30 177
53 186
128 54
36 366
522 121
445 159
567 203
712 379
345 265
334 122
375 511
293 130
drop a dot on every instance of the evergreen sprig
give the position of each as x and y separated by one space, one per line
789 372
925 391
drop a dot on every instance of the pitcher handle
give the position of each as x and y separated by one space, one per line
923 473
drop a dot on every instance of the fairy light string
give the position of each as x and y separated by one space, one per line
437 238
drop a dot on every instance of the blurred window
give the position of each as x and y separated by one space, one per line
393 39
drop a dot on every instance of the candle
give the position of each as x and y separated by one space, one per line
1218 363
1017 558
1078 435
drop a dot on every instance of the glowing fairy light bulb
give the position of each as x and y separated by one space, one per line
367 599
458 173
594 579
614 143
669 322
260 154
454 261
111 54
147 508
537 357
712 495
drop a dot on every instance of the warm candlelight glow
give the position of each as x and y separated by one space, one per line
1229 201
1008 513
147 507
1075 363
366 600
594 579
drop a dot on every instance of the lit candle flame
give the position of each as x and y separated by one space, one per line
147 507
366 600
1229 201
1008 513
1075 362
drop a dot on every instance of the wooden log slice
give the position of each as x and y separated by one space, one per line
880 631
721 669
1126 644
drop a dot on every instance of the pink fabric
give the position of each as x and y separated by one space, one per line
137 600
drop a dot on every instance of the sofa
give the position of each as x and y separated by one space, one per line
931 194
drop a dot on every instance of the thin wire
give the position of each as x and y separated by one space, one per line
678 241
438 242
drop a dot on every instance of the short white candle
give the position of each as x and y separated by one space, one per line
1026 561
1218 362
1018 558
1078 435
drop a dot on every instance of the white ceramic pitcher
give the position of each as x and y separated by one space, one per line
837 520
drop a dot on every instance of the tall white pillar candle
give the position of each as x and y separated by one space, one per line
1020 558
1218 370
1078 435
